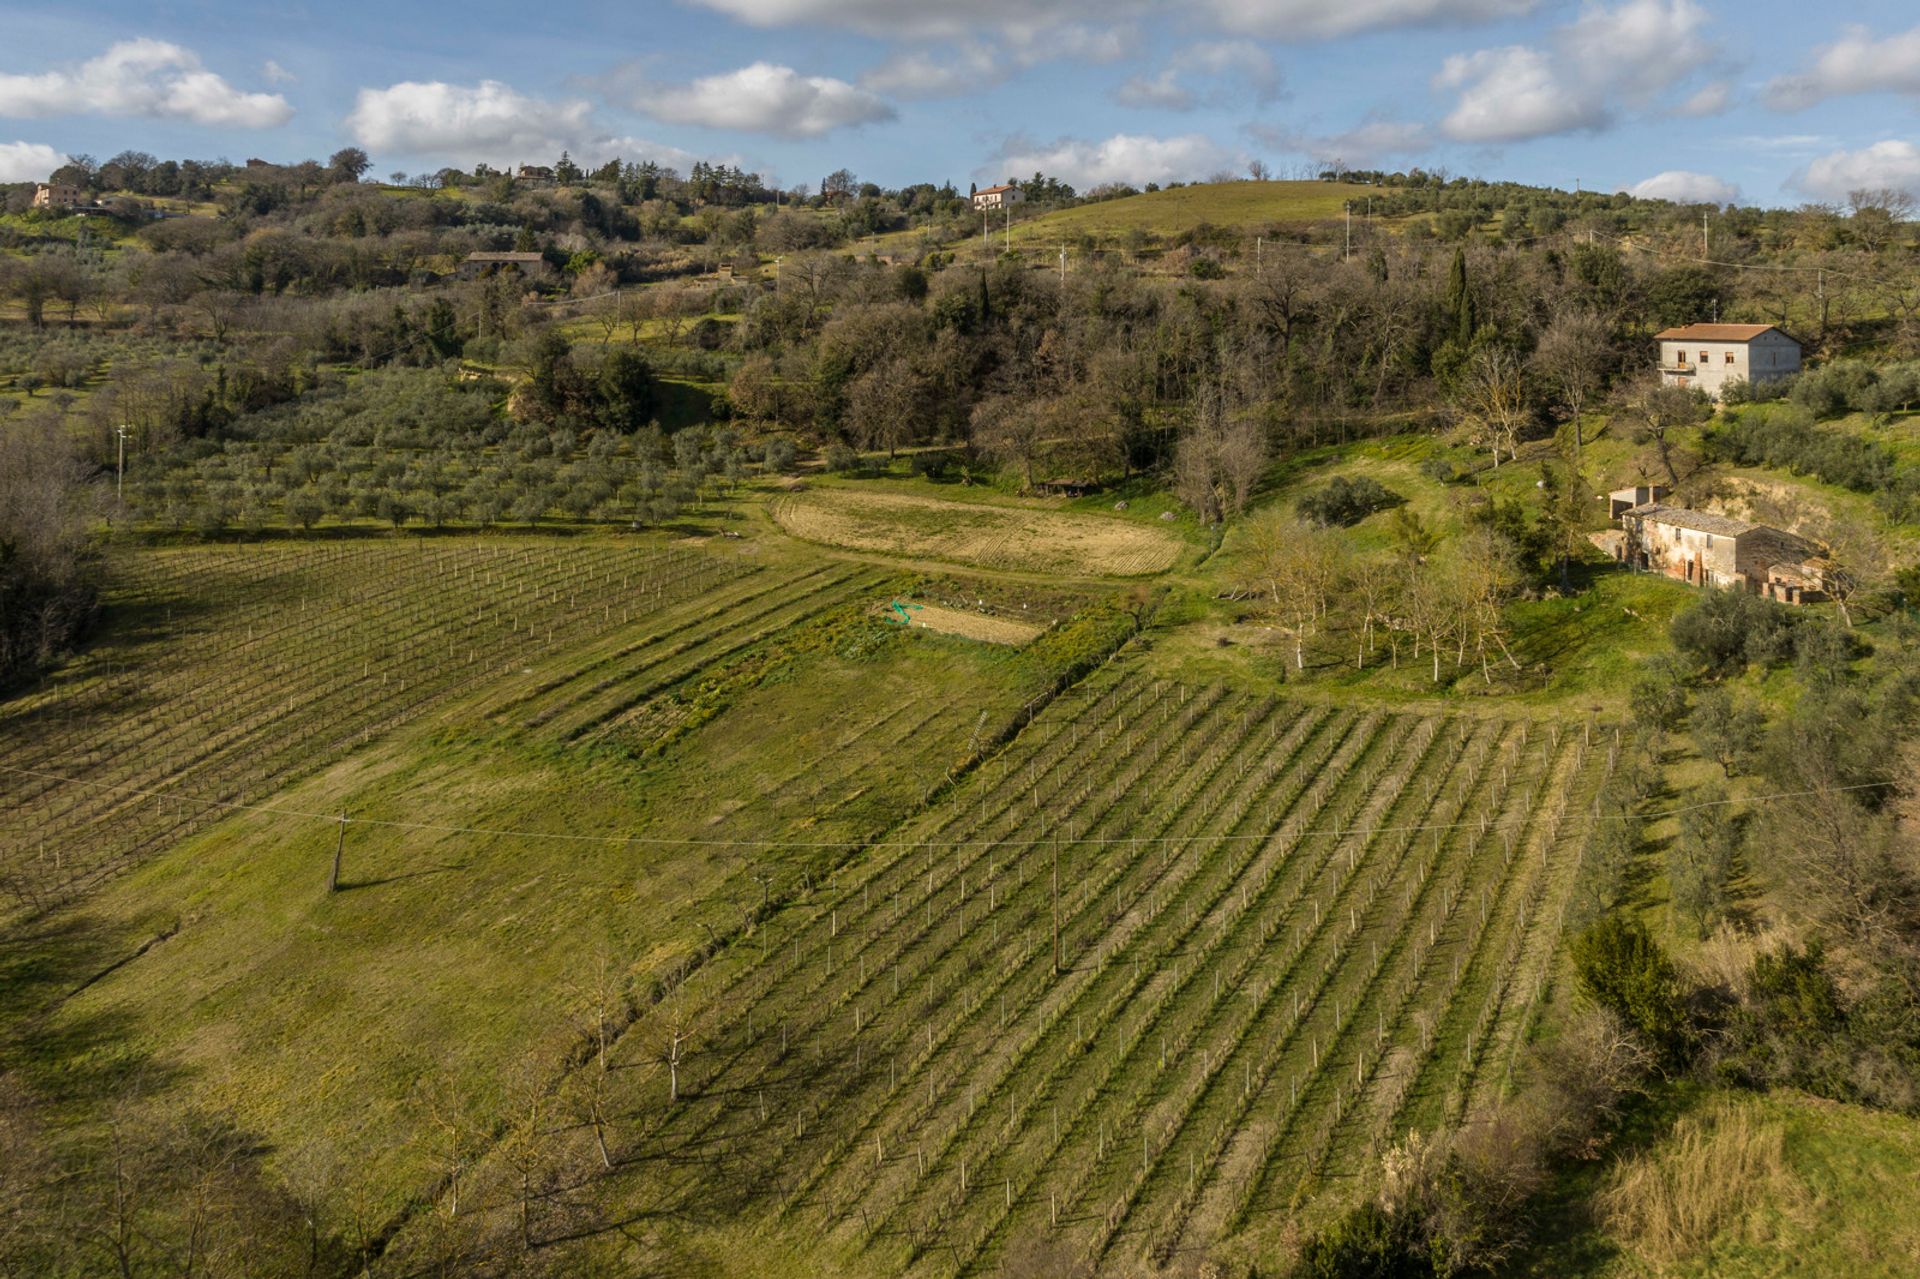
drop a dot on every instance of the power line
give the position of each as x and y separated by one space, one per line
1042 842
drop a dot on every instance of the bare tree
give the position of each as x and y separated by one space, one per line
1493 399
1857 561
1659 410
1573 358
1298 566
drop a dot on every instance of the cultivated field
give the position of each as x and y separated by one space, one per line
233 670
1030 539
1286 933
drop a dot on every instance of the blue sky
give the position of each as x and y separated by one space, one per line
1768 102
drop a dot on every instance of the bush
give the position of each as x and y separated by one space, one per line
1346 501
931 465
1724 631
1621 968
777 455
1367 1243
842 458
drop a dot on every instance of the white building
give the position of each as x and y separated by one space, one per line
1710 356
996 197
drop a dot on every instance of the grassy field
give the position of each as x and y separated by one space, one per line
1008 534
1240 205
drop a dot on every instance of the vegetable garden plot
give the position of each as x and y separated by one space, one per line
1284 933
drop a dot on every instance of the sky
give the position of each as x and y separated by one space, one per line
1765 102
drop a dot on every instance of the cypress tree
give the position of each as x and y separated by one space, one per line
1460 300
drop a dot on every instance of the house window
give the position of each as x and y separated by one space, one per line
1705 358
1729 357
1680 357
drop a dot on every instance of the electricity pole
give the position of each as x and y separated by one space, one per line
1348 254
1063 268
120 470
1703 237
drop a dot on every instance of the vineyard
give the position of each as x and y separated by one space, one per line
1148 981
235 670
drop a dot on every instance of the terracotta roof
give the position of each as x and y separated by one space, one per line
1718 333
1698 521
992 190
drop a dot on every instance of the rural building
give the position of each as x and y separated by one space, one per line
539 172
996 197
1620 501
479 264
1704 549
57 195
1710 356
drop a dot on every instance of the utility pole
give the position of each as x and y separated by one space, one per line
1063 268
1009 226
1348 254
985 238
120 470
776 272
1703 237
340 847
1259 254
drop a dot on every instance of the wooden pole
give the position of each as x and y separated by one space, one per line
339 849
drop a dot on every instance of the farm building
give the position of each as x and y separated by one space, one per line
479 264
57 195
536 173
1710 356
996 197
1704 549
1620 501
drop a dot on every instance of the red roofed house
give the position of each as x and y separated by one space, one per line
1710 356
996 197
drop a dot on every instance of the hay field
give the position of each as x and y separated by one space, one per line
1020 538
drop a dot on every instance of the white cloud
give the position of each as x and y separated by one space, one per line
273 73
919 73
1712 99
142 78
1684 187
1278 19
1125 157
1629 55
1513 93
1316 19
1160 91
488 121
28 161
1858 62
1361 147
1221 62
763 98
1892 163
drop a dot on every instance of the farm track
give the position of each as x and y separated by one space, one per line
1288 932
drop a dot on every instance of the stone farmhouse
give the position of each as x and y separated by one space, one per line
58 195
1710 356
996 197
1704 549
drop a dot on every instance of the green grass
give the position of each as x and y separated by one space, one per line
1243 205
1850 1205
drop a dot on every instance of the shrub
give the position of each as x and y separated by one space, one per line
1367 1243
1668 1204
931 465
777 455
842 457
1725 630
1346 501
1621 968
